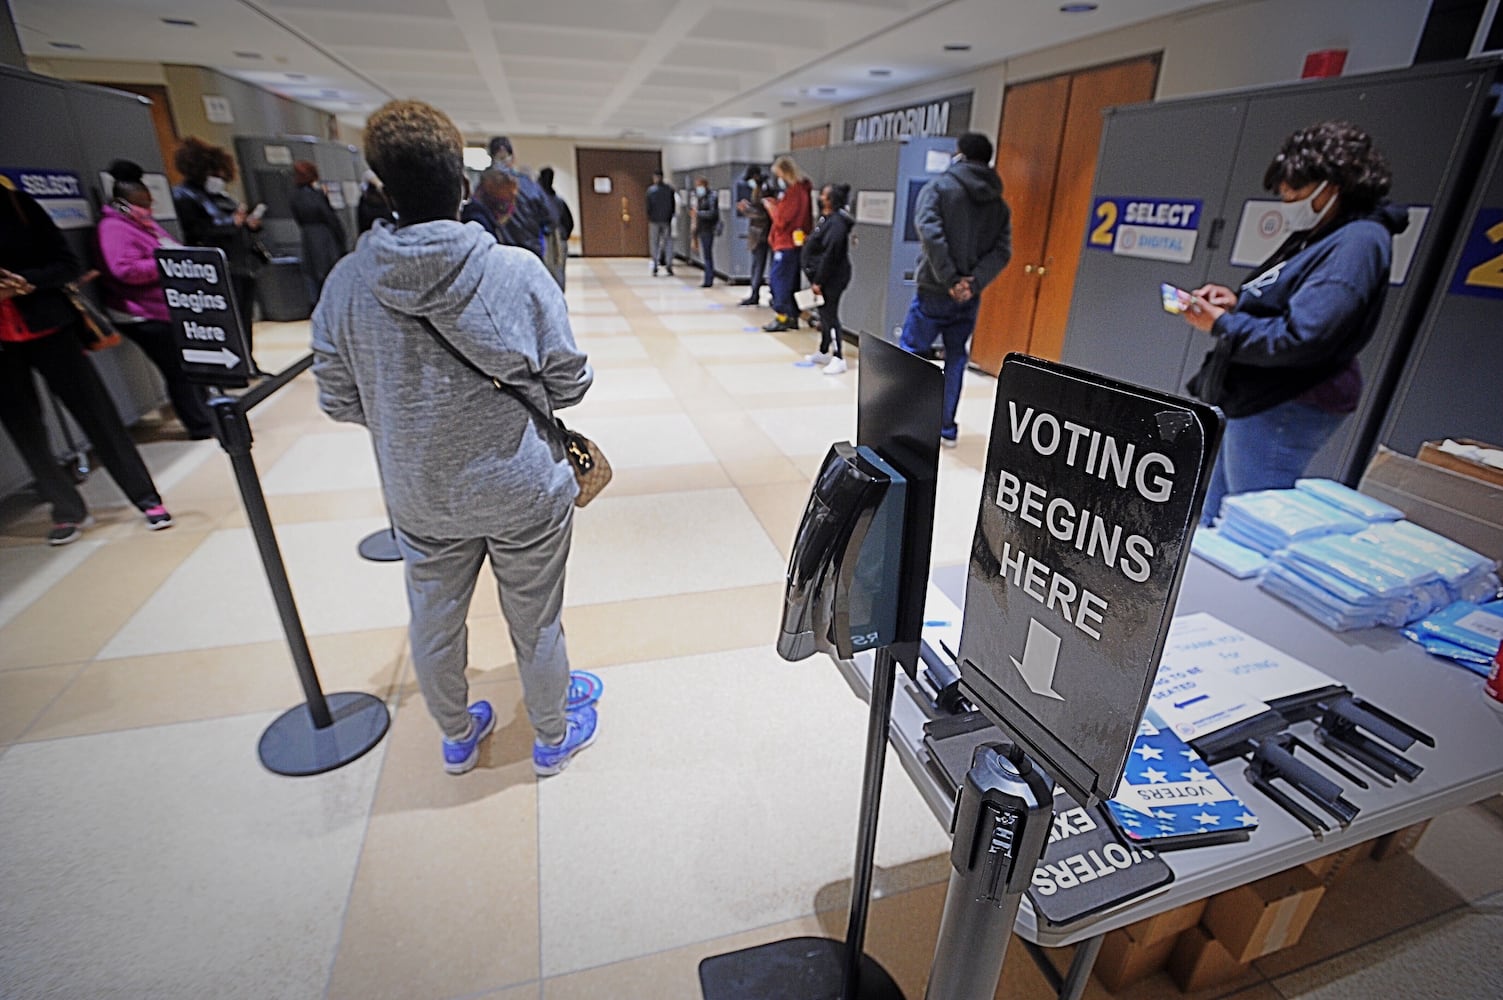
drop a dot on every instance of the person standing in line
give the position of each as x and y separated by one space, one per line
966 230
827 263
493 203
211 218
373 203
790 216
704 216
469 475
533 219
128 240
320 226
757 224
39 333
557 257
1284 364
661 207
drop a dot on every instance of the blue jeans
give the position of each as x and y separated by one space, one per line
707 254
1267 451
931 317
758 270
784 282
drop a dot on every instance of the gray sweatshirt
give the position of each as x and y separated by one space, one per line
458 459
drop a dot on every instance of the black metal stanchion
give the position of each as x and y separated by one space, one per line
1002 823
380 546
323 733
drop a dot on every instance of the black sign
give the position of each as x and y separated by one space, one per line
205 321
950 115
1092 490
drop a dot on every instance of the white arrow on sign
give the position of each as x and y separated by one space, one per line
1040 657
223 356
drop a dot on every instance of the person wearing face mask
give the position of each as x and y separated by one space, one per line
827 263
211 218
791 214
1284 364
754 186
493 203
128 240
705 215
319 225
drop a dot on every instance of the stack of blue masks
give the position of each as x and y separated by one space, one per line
1346 583
1468 575
1269 520
1348 500
1238 560
1465 632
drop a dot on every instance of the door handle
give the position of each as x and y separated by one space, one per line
625 212
1027 268
1043 270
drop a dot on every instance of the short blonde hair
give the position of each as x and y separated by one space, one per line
418 153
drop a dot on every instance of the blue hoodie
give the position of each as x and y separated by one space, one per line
1301 320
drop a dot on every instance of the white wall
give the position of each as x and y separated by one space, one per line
1228 46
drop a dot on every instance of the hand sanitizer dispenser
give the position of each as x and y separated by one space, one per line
842 591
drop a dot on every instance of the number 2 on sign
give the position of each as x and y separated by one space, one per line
1489 273
1101 236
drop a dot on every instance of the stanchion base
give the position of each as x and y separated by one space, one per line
293 746
380 547
804 968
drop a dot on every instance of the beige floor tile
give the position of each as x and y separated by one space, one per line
1452 844
527 991
667 479
445 900
780 509
74 620
765 471
651 441
325 462
334 505
28 571
167 688
602 635
802 430
24 694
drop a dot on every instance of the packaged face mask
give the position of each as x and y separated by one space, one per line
1348 500
1223 553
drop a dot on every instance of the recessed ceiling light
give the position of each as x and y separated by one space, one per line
296 76
789 104
824 90
248 55
1078 8
65 45
957 46
759 114
880 72
180 22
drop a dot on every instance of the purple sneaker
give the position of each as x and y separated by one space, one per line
462 755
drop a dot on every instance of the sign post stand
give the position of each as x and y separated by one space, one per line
380 546
323 733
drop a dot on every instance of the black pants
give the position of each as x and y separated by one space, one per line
155 338
829 319
245 302
758 270
70 374
707 253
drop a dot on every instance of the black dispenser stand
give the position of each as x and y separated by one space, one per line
323 733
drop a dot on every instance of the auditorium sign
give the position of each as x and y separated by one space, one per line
942 116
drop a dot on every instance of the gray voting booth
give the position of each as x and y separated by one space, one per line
266 171
1193 170
732 258
60 128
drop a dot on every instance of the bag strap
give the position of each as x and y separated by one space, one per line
547 421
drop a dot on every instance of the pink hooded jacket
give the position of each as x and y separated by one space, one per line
133 284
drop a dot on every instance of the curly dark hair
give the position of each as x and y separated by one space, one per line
196 160
1339 153
419 155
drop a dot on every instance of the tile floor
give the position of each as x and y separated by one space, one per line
145 853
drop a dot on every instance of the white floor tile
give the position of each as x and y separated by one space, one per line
318 463
652 441
808 430
167 863
697 323
783 376
585 323
607 350
737 345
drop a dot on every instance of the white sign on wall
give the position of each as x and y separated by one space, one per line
218 110
280 156
875 207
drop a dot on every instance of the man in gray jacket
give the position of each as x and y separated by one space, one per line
467 472
966 229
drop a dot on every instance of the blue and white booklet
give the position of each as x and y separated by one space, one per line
1169 797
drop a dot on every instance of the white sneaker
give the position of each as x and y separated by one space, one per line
835 367
814 361
945 442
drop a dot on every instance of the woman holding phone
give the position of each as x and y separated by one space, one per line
1284 364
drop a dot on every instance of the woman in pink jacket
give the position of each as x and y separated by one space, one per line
128 237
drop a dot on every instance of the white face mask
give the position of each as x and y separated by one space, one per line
1302 215
700 191
215 185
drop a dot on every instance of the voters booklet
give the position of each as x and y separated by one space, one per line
1169 798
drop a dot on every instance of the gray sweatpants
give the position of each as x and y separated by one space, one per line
529 568
659 241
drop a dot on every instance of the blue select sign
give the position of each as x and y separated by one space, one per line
60 193
1152 228
1480 270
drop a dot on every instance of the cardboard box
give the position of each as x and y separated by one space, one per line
1265 916
1167 924
1457 506
1330 868
1399 841
1431 454
1123 961
1199 961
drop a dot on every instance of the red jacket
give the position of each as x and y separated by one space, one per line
792 211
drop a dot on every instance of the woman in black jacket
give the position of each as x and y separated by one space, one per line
705 216
39 333
211 218
827 263
319 225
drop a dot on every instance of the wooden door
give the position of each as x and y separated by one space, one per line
1028 143
613 187
1048 141
161 120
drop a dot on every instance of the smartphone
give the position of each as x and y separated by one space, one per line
1176 300
260 210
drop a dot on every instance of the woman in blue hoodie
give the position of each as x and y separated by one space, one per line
1284 365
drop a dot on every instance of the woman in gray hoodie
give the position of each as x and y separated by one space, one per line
466 470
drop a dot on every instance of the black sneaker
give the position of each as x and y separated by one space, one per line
777 326
64 532
157 518
747 302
